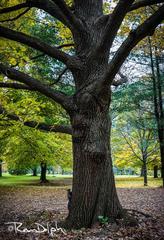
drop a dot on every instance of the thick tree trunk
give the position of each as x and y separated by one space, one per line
34 170
0 168
93 190
94 193
155 171
43 173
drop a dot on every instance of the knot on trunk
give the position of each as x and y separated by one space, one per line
85 99
87 102
96 157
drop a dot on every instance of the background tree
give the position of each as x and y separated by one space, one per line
140 148
28 148
134 126
158 86
149 52
4 135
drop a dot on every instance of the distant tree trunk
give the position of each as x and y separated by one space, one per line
145 172
155 171
34 170
43 166
158 105
161 114
0 168
53 171
142 171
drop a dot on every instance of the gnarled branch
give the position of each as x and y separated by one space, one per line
57 9
57 96
144 3
15 18
115 20
40 126
46 5
14 8
68 14
54 52
15 86
112 26
58 47
145 29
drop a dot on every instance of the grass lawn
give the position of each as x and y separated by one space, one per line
65 180
26 180
136 182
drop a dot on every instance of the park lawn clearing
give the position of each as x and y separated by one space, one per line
66 180
136 182
26 180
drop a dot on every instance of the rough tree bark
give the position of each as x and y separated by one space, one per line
94 191
92 165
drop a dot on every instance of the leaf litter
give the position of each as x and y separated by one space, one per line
30 205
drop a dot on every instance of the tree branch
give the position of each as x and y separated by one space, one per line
145 29
54 52
58 47
113 24
115 20
59 77
14 8
15 18
144 3
15 86
65 45
130 146
57 9
51 128
68 14
35 85
40 126
45 5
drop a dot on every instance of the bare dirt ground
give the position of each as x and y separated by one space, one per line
30 205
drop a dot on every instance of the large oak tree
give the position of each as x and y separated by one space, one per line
93 32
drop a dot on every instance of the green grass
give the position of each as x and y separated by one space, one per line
28 180
136 182
65 180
